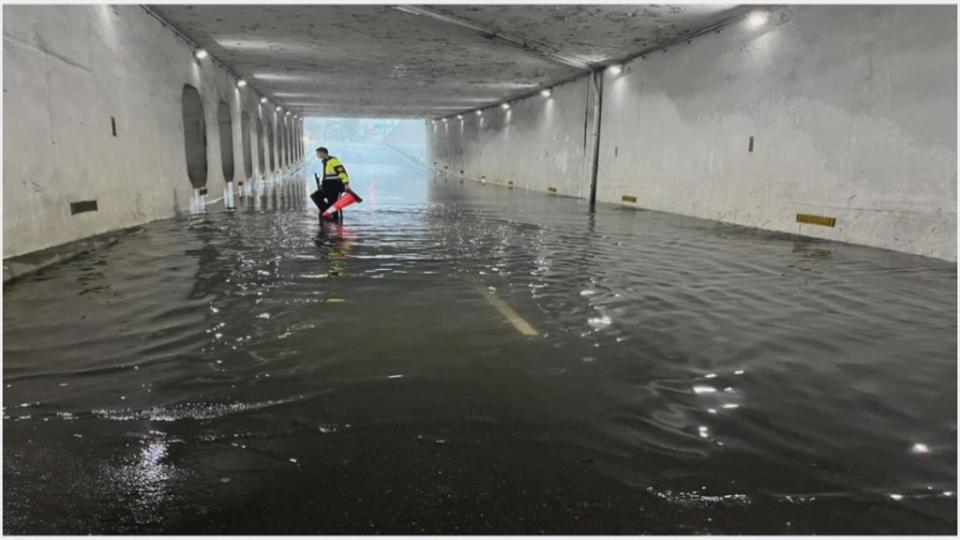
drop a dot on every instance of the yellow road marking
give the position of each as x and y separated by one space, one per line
508 313
817 220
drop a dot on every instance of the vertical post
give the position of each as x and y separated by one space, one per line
597 77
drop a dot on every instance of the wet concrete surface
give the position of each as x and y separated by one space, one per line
250 371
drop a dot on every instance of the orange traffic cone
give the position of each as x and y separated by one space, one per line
348 198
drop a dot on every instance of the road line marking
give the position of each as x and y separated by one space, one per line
508 313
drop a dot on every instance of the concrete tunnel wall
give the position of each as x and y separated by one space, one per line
852 110
67 71
538 143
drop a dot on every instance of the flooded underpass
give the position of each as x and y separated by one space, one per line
465 358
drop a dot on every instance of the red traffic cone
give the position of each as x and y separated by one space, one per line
343 202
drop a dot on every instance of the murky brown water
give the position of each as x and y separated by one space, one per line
248 372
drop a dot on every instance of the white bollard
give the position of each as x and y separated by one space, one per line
198 204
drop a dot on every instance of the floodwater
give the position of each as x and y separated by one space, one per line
248 371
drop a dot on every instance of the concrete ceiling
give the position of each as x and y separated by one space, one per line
425 61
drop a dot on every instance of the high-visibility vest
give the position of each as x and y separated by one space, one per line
333 169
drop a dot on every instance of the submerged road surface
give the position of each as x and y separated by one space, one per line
463 358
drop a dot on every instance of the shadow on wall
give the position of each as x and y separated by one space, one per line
261 145
270 148
245 142
226 140
194 136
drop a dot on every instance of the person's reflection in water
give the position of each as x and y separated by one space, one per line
337 240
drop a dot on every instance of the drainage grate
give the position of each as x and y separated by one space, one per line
817 220
80 207
628 198
551 189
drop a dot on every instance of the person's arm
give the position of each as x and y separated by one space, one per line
341 172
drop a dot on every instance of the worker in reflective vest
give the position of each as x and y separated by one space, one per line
335 181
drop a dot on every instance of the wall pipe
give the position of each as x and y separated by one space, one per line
597 78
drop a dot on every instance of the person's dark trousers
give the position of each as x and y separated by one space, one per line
331 192
317 198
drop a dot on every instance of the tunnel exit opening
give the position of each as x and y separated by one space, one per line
365 138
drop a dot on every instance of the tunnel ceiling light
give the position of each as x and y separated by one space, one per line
279 108
241 83
615 70
758 18
504 106
460 116
545 92
479 113
263 100
200 54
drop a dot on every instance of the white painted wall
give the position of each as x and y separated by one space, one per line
537 144
67 70
853 110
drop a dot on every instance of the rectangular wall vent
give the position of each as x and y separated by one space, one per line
80 207
551 189
817 220
628 198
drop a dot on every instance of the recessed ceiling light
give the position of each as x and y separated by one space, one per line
758 18
200 54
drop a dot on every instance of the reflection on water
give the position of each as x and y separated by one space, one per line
254 371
